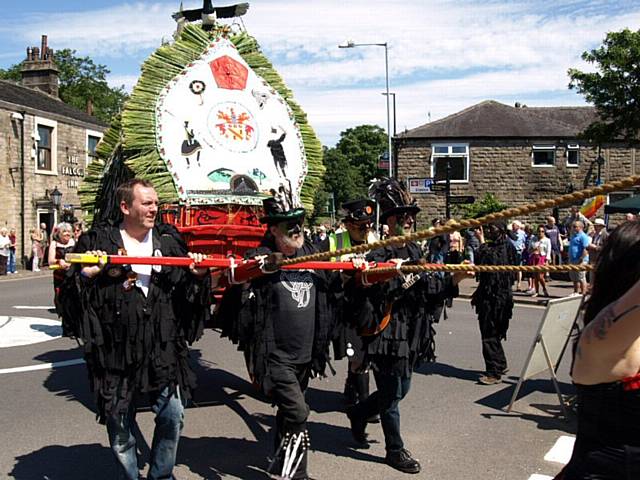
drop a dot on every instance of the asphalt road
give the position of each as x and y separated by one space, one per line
456 427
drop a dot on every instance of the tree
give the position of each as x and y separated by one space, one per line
351 164
614 89
488 204
81 80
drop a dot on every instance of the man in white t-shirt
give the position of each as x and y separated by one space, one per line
136 323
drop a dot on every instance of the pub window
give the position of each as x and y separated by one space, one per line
543 155
93 138
45 136
92 143
573 155
44 147
457 155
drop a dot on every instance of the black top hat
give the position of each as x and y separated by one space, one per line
276 211
359 210
393 198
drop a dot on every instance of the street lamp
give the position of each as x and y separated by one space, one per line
351 44
56 198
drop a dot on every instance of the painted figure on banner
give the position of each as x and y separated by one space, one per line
190 145
277 151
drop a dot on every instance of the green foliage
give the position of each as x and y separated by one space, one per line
11 73
488 204
353 162
80 80
614 89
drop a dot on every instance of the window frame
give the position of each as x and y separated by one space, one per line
573 147
541 147
91 133
45 122
450 154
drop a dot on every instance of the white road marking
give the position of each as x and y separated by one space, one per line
561 451
19 331
537 476
33 307
42 366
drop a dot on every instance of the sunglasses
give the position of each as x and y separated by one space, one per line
292 226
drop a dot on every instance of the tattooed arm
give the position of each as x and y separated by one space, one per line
609 347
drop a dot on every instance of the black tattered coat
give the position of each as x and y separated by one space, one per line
246 316
409 338
132 343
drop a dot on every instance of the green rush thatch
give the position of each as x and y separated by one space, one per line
131 136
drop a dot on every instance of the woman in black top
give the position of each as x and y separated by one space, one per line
607 365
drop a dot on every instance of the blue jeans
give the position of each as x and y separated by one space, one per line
386 402
11 263
169 412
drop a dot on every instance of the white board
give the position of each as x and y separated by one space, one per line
555 329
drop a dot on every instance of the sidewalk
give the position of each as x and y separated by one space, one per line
556 289
22 274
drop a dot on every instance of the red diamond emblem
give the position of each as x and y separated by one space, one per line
229 73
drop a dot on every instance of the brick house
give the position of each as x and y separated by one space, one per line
520 154
44 144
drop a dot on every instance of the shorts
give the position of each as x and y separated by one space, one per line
537 259
578 276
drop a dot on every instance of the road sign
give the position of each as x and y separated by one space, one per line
438 187
462 199
420 185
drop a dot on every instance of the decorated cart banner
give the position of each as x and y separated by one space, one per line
225 135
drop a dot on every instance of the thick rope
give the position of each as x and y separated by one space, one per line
464 267
455 225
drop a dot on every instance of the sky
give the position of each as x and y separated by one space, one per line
444 55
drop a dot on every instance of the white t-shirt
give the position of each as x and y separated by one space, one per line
5 243
135 248
543 245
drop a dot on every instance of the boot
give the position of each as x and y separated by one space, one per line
290 459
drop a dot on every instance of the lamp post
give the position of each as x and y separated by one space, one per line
393 95
351 44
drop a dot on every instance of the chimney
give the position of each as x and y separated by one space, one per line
39 70
89 106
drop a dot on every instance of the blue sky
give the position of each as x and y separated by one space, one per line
444 55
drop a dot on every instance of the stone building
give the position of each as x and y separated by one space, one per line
520 154
45 145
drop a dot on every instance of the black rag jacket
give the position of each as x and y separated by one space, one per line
132 343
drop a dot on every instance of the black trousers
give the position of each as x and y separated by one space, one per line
286 384
492 351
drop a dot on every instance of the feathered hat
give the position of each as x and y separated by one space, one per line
280 208
393 198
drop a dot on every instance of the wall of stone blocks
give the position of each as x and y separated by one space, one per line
71 153
505 169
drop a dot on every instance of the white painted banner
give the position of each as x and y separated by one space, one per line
225 134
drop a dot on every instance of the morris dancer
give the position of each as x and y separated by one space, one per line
493 300
358 220
282 320
404 309
135 323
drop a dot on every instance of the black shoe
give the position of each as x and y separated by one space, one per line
402 460
358 426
